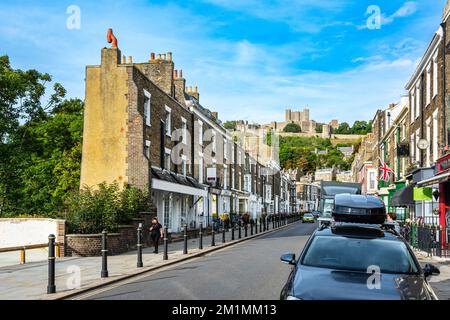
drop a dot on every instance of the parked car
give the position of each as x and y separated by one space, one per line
308 217
316 214
357 257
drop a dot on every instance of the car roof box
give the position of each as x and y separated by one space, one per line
359 209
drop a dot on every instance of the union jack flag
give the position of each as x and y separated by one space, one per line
385 171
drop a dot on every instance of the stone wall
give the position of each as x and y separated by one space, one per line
124 240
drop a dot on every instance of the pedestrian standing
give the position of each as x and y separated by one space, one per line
156 233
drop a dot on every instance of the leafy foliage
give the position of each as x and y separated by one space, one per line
292 127
300 153
91 211
359 127
230 125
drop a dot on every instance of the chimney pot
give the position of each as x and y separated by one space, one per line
152 56
163 56
124 59
130 59
181 73
158 57
169 56
175 74
195 89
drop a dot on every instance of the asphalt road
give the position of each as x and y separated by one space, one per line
249 270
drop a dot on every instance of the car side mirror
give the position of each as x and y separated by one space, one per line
288 258
430 270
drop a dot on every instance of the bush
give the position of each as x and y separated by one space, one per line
292 127
91 211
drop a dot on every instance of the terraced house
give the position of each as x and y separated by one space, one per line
144 127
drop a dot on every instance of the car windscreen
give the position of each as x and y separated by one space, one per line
346 253
308 215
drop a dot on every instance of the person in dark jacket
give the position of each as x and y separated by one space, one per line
156 233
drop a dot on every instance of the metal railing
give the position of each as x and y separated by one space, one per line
23 250
432 239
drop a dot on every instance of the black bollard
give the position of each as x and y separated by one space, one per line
185 249
139 246
213 237
51 288
239 231
104 272
245 230
256 225
166 245
260 225
223 234
232 231
273 223
200 234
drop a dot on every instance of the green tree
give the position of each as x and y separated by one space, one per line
292 127
230 125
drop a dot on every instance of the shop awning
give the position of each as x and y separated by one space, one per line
403 197
435 180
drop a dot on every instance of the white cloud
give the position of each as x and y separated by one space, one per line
406 10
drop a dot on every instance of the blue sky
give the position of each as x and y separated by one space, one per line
250 59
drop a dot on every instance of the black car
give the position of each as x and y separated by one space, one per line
363 260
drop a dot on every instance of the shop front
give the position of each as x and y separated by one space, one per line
441 191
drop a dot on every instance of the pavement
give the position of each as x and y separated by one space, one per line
441 282
74 275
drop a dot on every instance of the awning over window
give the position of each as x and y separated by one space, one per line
403 197
435 180
171 182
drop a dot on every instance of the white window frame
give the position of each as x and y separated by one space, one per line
200 169
225 148
147 108
184 165
147 145
184 130
214 142
167 152
435 75
233 173
225 176
168 121
417 109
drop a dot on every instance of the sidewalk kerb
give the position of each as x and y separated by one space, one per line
77 292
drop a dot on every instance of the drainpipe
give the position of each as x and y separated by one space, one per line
398 158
